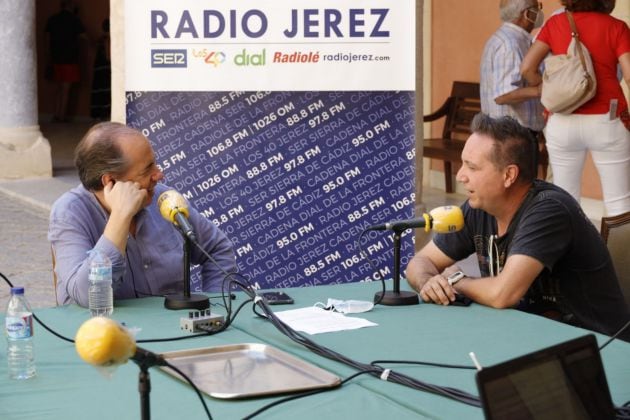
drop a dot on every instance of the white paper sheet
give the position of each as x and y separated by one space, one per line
314 320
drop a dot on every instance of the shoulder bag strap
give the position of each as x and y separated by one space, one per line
578 43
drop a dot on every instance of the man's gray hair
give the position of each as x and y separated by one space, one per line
99 153
511 9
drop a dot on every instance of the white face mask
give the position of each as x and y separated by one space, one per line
540 18
349 306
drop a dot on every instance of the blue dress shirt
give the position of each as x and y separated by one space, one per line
153 261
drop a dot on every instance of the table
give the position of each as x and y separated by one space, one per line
67 388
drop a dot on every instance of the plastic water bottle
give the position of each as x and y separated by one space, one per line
19 332
100 293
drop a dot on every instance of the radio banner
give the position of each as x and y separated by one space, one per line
291 157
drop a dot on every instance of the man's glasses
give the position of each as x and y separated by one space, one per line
494 259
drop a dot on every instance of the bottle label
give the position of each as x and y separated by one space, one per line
100 273
19 327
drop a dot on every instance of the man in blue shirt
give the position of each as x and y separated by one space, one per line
502 89
114 210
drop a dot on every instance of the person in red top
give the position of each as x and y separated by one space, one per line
597 126
66 34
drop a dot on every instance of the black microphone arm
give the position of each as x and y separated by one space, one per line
400 225
184 225
147 358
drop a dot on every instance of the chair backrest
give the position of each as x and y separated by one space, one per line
615 231
465 105
54 274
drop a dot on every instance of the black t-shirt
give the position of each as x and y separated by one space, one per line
64 29
578 284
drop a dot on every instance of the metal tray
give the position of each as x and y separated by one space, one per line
247 370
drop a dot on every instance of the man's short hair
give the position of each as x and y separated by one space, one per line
99 153
513 143
511 9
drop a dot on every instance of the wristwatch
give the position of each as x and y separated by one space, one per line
455 277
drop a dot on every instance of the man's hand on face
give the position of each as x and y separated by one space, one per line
124 197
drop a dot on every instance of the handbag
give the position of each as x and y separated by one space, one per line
569 79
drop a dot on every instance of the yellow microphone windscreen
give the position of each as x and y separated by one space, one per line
102 342
171 202
447 219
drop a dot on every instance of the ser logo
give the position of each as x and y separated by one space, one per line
169 58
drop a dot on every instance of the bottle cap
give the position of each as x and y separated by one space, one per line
17 290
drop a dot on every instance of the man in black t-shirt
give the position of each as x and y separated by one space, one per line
537 250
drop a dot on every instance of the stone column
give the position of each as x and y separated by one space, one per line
117 36
24 152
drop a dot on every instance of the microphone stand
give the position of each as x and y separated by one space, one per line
186 300
144 388
396 297
145 360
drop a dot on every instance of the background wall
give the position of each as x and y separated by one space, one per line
459 30
454 34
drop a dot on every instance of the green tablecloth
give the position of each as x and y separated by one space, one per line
67 388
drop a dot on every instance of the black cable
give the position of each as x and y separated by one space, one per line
300 338
415 362
155 340
622 329
183 375
396 377
623 412
391 376
304 394
147 340
181 337
38 320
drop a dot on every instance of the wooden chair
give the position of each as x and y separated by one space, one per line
54 274
615 231
543 156
459 110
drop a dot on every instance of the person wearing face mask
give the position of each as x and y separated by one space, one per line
115 211
602 125
503 91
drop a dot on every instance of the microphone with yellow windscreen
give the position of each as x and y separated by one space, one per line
103 342
174 208
445 219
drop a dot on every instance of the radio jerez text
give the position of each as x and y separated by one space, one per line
253 23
